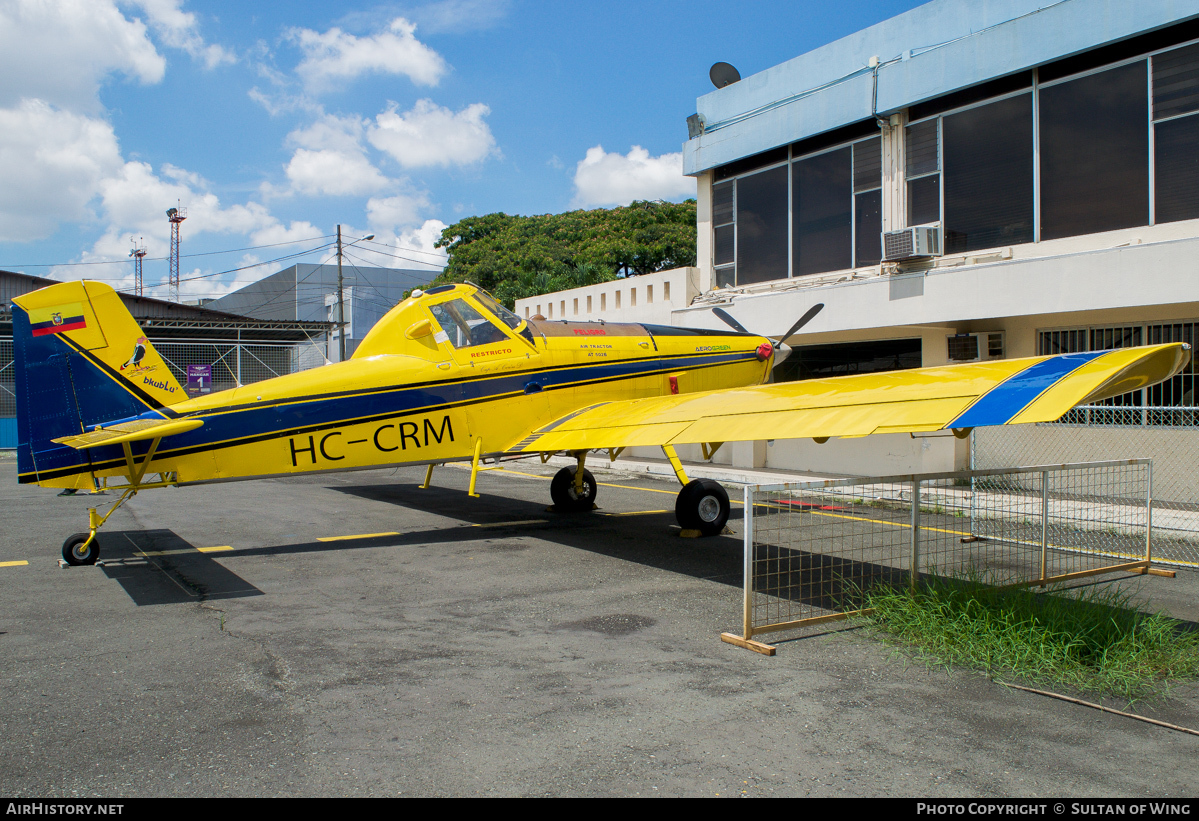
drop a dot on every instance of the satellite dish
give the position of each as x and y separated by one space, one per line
723 74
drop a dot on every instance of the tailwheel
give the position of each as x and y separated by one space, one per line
702 505
78 550
567 498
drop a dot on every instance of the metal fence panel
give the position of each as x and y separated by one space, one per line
814 551
1086 432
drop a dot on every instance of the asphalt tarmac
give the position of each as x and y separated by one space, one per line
488 647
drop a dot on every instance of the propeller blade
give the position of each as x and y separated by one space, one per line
803 320
728 320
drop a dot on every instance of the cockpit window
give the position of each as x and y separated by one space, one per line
464 325
503 314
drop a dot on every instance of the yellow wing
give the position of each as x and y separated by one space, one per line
1038 389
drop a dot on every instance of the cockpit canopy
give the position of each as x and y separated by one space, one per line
463 315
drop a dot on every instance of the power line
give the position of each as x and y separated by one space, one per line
159 259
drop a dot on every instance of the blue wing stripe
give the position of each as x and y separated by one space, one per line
1000 404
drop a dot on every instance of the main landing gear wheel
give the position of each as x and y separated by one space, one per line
75 553
566 498
702 505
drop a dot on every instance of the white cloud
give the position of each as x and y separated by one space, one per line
457 16
330 160
411 248
52 165
178 29
61 50
618 179
335 57
389 213
333 173
432 135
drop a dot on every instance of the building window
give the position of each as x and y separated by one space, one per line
1169 404
1094 147
981 159
816 361
762 226
822 212
1176 134
724 256
923 152
867 202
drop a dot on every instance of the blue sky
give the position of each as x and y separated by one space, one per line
272 122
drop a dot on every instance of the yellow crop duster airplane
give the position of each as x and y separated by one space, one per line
451 375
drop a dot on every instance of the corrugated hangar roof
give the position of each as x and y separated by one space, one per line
166 319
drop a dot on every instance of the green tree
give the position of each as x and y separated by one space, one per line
515 256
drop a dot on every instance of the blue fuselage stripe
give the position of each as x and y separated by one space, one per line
1001 404
226 429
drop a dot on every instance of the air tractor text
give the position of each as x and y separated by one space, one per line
388 437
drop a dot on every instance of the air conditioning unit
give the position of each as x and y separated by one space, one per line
912 243
976 347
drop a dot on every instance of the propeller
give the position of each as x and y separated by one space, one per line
803 320
781 349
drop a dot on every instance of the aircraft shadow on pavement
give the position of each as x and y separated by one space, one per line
650 539
160 567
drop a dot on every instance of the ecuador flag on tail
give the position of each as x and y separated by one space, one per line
57 318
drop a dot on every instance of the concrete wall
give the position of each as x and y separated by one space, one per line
650 298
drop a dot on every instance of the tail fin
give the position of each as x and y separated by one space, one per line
80 360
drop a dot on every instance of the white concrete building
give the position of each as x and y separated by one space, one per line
1050 148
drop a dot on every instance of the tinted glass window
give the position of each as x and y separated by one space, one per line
868 228
815 361
867 164
924 200
1176 167
762 226
988 167
1095 153
823 213
1176 82
923 156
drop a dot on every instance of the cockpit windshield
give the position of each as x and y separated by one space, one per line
464 325
503 314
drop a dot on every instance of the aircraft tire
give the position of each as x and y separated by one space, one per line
702 505
562 491
73 554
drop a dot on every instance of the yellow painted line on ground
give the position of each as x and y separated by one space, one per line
356 536
509 524
635 513
216 549
13 564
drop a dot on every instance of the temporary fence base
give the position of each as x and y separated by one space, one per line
815 551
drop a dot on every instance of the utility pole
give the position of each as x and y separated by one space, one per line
341 305
139 251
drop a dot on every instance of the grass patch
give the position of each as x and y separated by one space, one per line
1094 639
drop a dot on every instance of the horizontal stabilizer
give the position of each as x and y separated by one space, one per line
136 431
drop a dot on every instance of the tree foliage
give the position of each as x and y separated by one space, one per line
515 256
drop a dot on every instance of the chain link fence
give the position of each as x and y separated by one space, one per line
8 388
232 363
1167 436
814 551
